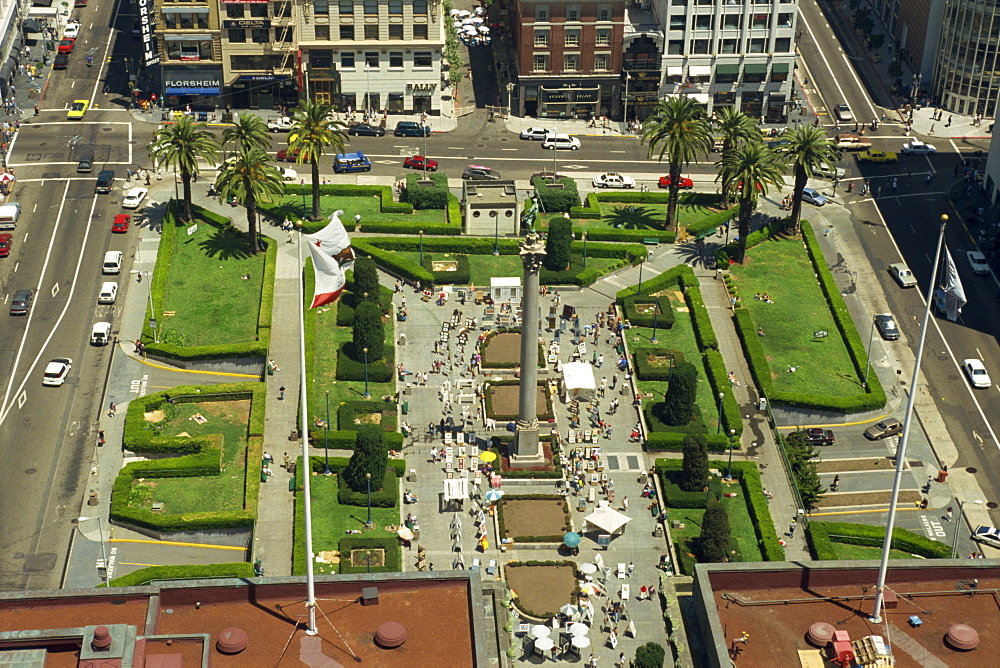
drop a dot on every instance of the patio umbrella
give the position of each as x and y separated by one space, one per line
455 12
405 533
569 610
571 539
484 29
477 21
493 495
588 568
544 644
580 641
540 631
487 456
590 589
579 629
464 12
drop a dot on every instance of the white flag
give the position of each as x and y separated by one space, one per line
330 277
954 293
334 241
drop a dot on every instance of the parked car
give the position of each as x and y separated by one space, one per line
976 371
66 46
819 436
100 334
284 155
830 172
918 148
978 262
560 141
683 183
289 175
987 536
883 429
365 130
134 197
903 275
56 371
480 173
112 262
72 30
61 61
6 240
813 197
121 224
886 326
411 129
613 180
874 155
419 162
533 134
843 112
108 293
21 302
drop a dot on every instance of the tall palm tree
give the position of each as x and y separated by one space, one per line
249 177
748 170
248 130
809 147
179 146
735 127
680 131
313 134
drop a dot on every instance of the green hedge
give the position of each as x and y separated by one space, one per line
664 319
393 553
539 472
488 364
383 193
144 576
646 371
349 368
703 330
822 535
773 228
712 222
718 377
673 441
345 440
681 274
349 300
629 236
675 497
347 411
387 497
431 196
557 199
461 276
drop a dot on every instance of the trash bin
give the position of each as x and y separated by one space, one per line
942 475
291 484
406 407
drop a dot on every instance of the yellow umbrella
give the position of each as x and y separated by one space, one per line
487 456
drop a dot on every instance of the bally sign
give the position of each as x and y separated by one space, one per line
421 86
149 55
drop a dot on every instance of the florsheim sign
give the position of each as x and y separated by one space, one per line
149 55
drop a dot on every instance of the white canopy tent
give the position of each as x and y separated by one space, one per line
578 381
607 519
456 489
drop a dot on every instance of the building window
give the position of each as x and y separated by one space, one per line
572 37
703 21
727 99
395 31
753 77
571 62
783 45
346 60
284 34
186 21
258 62
675 47
420 7
258 11
603 37
541 63
322 32
422 59
785 20
542 13
260 36
189 51
757 45
234 11
677 21
759 21
321 7
727 75
604 13
346 8
601 62
321 59
778 73
370 7
729 45
371 60
678 3
572 12
395 7
237 36
395 103
283 8
704 3
346 32
732 21
420 31
541 37
371 32
700 45
395 60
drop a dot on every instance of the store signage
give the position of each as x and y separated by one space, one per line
247 23
248 2
263 77
149 55
421 86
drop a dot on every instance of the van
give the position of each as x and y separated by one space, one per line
112 263
105 181
351 162
100 335
109 290
9 214
560 141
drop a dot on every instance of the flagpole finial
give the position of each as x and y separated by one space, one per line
944 218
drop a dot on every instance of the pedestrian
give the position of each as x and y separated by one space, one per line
291 237
600 361
625 503
631 567
931 131
929 178
281 393
113 408
895 185
357 220
621 660
948 124
878 193
285 461
948 513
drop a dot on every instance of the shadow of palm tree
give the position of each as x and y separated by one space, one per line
632 217
697 255
226 244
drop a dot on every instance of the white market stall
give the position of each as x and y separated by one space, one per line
578 381
506 290
607 520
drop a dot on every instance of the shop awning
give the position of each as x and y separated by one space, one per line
187 38
191 91
780 68
675 70
727 69
755 68
700 71
184 10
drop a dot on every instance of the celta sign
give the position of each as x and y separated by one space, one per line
149 55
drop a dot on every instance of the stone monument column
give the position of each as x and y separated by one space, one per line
527 451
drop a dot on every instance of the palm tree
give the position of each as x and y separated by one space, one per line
680 131
249 177
314 134
249 130
748 170
809 147
735 127
180 145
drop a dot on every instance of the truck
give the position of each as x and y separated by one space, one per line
852 142
9 213
282 124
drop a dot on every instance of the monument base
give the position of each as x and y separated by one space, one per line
527 449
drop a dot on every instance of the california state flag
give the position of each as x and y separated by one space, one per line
335 241
330 277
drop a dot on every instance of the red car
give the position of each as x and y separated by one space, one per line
285 156
417 162
121 223
66 45
684 183
5 241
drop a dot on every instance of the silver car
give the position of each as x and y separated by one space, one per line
813 197
534 134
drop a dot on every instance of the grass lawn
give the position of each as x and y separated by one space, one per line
331 520
208 493
781 269
209 301
484 267
637 216
845 551
370 208
680 338
740 526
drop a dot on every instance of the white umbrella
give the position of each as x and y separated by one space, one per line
579 629
544 643
455 12
580 641
470 30
477 21
588 568
465 12
484 29
457 24
569 610
405 533
540 631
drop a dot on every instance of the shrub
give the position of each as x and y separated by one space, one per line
679 401
349 409
645 369
144 576
366 286
348 544
427 196
694 474
369 459
554 198
369 332
713 544
801 460
557 244
351 364
461 276
386 497
650 655
711 222
664 315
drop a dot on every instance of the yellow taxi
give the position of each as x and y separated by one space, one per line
78 109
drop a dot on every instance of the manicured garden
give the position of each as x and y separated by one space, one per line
370 208
484 266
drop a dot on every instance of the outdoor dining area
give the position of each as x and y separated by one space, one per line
470 26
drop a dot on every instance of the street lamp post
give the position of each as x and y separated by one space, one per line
326 437
421 248
369 524
958 520
496 232
868 360
584 249
104 550
655 313
718 429
302 184
729 468
367 394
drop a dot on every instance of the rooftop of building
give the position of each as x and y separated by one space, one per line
777 603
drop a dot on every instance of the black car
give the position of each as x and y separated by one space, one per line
818 436
886 326
411 129
105 181
365 130
480 173
21 302
61 62
86 164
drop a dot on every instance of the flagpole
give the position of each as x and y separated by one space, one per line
883 567
306 471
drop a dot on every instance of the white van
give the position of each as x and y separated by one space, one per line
109 290
112 263
100 335
9 213
560 141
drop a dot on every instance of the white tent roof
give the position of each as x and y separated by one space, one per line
579 376
505 281
456 489
607 518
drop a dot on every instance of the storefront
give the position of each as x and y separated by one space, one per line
196 86
568 102
264 91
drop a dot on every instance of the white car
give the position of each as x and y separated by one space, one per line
133 198
918 148
843 112
289 174
72 30
534 133
112 263
613 180
830 172
560 141
108 293
977 373
987 536
100 335
56 371
978 262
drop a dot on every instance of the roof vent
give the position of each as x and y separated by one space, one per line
232 641
390 635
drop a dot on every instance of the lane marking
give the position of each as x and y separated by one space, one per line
177 544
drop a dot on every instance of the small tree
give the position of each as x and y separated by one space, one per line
650 655
714 542
694 472
679 402
801 456
369 332
366 287
557 245
370 456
